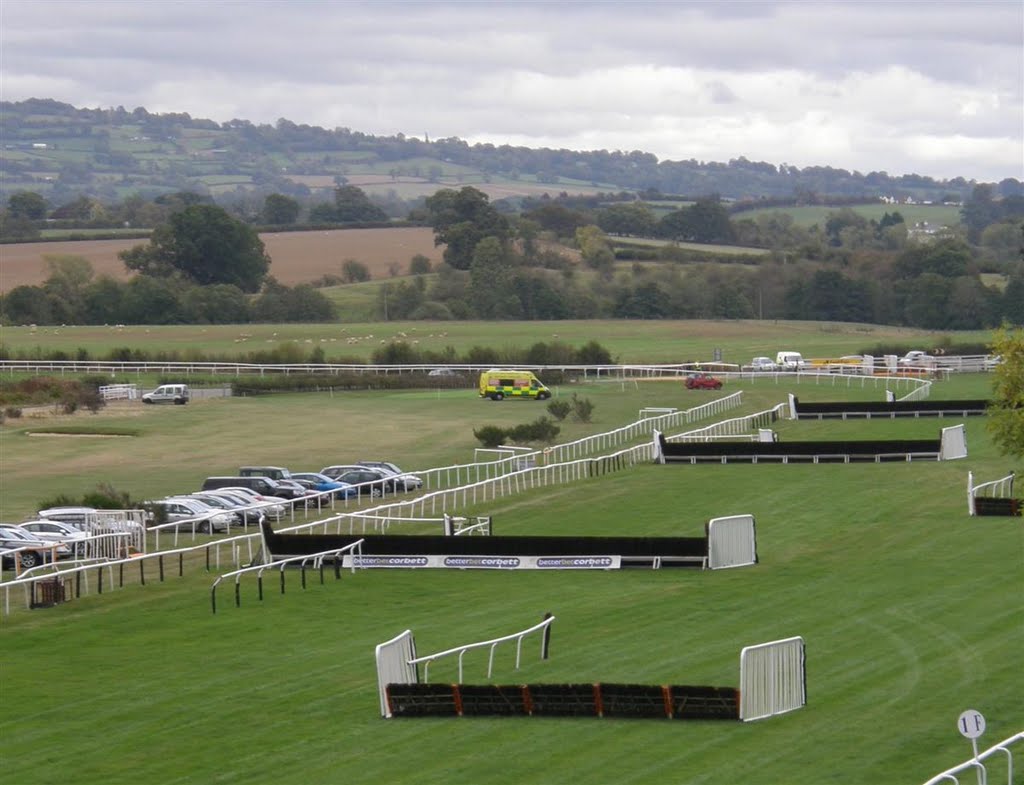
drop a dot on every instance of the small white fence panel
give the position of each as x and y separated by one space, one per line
395 665
732 542
954 443
773 678
119 392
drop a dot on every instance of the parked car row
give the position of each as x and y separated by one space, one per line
258 491
376 477
28 548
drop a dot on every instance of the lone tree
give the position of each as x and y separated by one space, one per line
205 244
280 209
461 219
1006 411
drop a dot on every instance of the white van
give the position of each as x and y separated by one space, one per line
168 393
790 361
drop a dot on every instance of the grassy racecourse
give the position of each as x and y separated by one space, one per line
640 341
910 609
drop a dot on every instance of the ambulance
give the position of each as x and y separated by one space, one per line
498 383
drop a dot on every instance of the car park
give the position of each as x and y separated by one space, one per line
169 393
702 381
92 520
56 531
762 365
193 515
223 505
368 481
264 486
28 550
322 483
242 505
272 506
407 482
280 475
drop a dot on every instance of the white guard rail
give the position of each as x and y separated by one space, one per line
492 644
315 560
949 775
79 571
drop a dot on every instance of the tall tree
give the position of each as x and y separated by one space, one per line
461 219
66 285
27 204
352 205
1006 411
280 210
490 282
595 250
205 244
979 211
629 218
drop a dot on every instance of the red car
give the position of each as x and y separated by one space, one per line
703 381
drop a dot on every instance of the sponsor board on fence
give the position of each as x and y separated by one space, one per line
458 562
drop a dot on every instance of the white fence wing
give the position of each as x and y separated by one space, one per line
732 542
773 678
395 666
954 443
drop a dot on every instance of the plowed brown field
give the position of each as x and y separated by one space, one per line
296 257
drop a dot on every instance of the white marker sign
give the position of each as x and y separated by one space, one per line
971 724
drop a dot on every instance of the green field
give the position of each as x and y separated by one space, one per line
709 248
942 215
643 341
910 610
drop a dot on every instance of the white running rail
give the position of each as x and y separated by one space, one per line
949 775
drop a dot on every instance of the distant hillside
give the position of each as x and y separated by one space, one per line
64 152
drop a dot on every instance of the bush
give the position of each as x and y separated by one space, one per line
107 497
12 412
103 497
490 435
541 430
419 265
354 272
582 408
60 500
559 409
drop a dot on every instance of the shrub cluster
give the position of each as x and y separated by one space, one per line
393 353
540 431
67 395
103 497
582 409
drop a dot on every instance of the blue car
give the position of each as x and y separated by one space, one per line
321 482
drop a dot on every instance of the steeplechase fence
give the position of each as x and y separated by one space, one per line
772 673
728 541
951 445
993 498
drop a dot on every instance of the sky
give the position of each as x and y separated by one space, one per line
933 88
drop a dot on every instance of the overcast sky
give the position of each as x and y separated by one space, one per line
931 87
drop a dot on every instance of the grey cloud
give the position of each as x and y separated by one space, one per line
573 73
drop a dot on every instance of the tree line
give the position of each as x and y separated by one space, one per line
257 151
204 265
